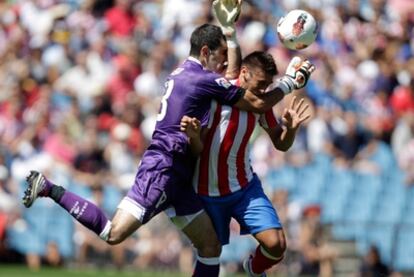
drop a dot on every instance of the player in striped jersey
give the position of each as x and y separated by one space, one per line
224 178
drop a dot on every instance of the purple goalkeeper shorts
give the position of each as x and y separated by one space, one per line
157 187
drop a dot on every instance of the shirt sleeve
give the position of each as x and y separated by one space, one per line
217 87
268 120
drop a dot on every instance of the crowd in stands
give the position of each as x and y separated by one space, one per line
80 87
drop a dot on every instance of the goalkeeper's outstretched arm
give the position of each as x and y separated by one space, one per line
227 12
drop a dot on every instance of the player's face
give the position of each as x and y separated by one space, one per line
255 80
216 60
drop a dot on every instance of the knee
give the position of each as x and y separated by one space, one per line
210 248
275 244
116 236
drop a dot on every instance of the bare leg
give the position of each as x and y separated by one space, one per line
273 241
271 249
123 225
203 236
33 261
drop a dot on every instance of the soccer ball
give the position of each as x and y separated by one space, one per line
297 29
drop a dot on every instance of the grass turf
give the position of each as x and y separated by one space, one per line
22 271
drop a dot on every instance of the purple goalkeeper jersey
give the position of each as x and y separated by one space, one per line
188 91
163 179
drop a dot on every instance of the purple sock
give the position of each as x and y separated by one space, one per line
84 211
207 267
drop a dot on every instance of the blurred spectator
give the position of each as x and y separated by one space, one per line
402 99
317 254
349 137
403 133
120 18
372 266
402 142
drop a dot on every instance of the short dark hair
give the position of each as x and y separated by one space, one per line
206 34
261 60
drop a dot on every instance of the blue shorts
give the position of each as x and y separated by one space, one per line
250 207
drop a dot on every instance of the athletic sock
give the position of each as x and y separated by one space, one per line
207 267
263 260
84 211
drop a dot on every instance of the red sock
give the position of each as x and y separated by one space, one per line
260 262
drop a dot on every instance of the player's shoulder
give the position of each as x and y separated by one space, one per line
214 79
188 67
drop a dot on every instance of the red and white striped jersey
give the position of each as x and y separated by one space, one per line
224 165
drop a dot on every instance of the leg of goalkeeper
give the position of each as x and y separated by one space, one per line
203 236
123 223
84 211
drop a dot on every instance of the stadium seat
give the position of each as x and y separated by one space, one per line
347 230
384 158
361 203
389 206
281 178
308 185
112 197
380 235
404 250
408 211
64 238
334 195
394 199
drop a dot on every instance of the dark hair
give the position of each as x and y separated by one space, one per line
206 34
261 60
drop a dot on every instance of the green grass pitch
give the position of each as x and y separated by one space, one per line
22 271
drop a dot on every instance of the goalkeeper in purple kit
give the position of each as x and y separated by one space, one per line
163 179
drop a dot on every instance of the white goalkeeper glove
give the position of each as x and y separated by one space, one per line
297 75
227 12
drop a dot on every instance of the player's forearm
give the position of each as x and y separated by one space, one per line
271 98
260 103
233 58
286 139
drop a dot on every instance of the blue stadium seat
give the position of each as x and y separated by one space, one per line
393 199
281 178
384 157
321 163
380 235
407 216
389 208
367 184
361 203
60 220
24 240
309 185
112 197
347 230
408 212
404 251
334 195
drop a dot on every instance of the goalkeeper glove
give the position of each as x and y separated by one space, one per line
227 12
297 75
